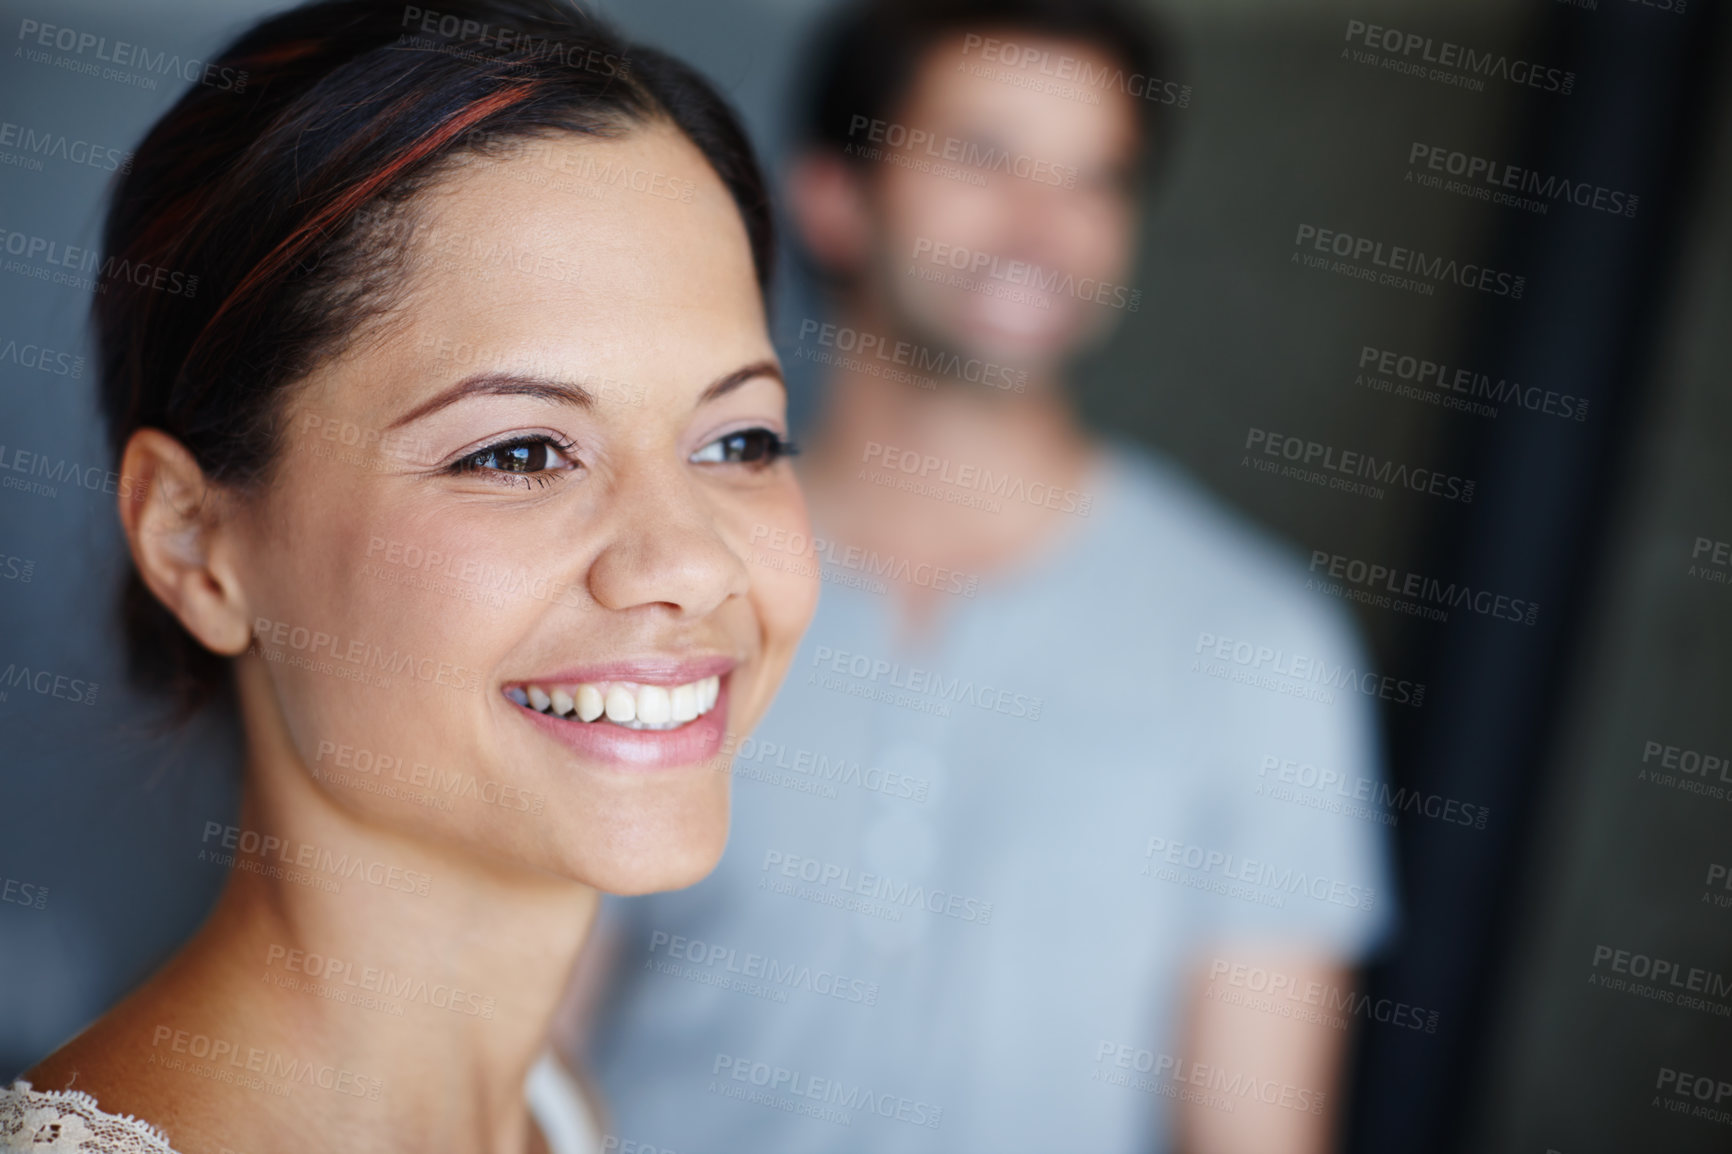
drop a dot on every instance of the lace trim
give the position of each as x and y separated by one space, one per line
70 1122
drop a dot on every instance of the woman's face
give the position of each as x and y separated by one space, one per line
529 500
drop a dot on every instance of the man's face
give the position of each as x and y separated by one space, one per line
1002 205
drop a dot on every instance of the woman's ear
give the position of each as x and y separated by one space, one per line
827 201
179 526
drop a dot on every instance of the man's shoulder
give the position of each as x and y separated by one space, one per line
1171 516
1206 555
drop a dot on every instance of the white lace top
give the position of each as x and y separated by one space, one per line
70 1122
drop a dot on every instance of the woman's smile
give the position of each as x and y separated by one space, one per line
645 713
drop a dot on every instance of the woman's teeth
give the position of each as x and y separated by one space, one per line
623 703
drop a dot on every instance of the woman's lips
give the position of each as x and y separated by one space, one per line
643 714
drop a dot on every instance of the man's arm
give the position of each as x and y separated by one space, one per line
1235 1034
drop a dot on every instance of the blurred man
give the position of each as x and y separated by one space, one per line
1019 858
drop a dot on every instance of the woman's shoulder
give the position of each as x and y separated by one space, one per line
70 1122
104 1092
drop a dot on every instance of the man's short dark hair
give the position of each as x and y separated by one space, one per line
866 53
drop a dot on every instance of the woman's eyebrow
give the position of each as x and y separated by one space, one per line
563 392
740 376
502 385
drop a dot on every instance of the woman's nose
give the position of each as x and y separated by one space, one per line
665 547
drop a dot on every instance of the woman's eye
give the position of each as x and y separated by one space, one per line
746 447
529 457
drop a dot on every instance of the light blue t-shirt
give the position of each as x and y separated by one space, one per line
965 881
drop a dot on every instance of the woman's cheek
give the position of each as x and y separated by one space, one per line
399 619
785 582
438 582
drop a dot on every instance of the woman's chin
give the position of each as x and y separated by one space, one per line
634 880
655 865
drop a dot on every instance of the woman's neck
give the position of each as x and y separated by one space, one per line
428 974
352 989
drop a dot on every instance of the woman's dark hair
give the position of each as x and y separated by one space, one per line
262 221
